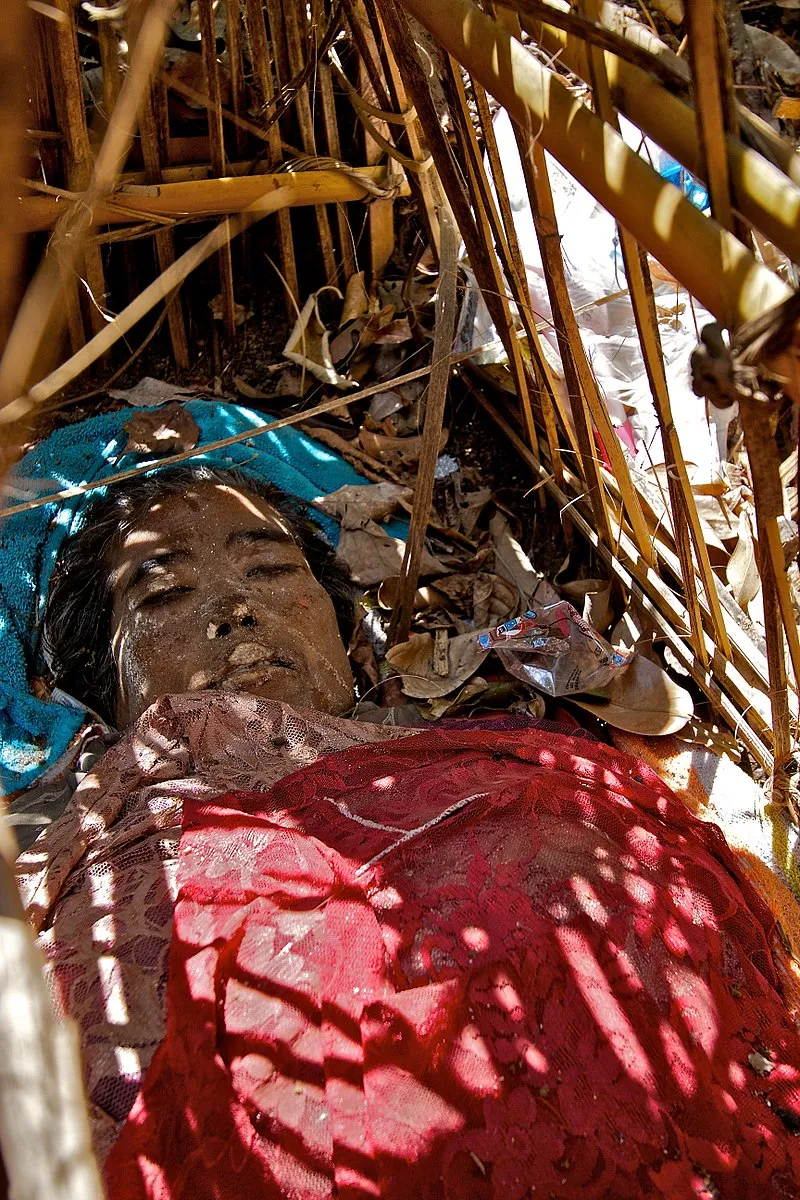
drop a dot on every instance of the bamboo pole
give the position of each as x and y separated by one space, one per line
491 230
295 35
339 186
731 285
68 95
663 609
153 130
686 523
444 332
203 198
40 314
218 161
262 68
716 115
549 393
761 191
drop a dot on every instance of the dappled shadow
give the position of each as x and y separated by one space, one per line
563 983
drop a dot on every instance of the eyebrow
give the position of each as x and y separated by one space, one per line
148 565
251 537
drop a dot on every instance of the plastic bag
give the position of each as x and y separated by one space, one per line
555 650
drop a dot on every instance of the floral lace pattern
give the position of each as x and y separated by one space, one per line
100 883
465 965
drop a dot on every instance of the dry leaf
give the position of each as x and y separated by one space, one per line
354 504
711 737
774 50
356 300
372 555
642 699
592 599
385 404
494 599
633 632
414 661
393 449
512 564
249 392
743 577
395 333
169 430
470 508
439 708
309 344
424 597
362 653
149 392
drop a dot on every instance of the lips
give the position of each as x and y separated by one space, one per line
250 663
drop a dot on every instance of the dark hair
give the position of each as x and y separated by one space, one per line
76 628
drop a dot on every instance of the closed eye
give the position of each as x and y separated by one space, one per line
163 597
272 570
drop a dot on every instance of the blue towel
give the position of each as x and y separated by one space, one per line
34 734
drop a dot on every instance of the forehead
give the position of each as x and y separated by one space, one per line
204 512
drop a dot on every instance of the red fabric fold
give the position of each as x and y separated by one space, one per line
465 965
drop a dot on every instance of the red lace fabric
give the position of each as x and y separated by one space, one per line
465 965
100 883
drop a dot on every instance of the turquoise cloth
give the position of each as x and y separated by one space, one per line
34 734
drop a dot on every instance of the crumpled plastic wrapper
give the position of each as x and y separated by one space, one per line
556 651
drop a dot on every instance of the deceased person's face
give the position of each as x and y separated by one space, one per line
210 590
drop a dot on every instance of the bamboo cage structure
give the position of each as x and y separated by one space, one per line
325 116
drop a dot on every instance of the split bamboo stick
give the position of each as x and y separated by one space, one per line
203 198
218 161
665 611
346 239
68 97
295 31
444 332
109 61
710 262
39 316
153 130
761 191
15 37
233 28
686 522
549 392
422 185
339 186
262 69
492 231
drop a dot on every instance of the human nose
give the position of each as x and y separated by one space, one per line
240 617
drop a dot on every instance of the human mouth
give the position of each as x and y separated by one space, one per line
250 664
